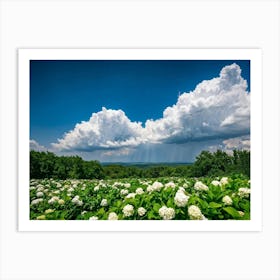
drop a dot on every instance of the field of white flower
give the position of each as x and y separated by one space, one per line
141 199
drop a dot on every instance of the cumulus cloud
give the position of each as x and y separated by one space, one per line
236 143
216 109
107 129
240 143
35 146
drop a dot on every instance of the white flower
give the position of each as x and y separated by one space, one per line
76 200
170 184
181 189
195 213
84 212
96 188
48 211
241 213
124 192
244 192
139 191
181 199
113 216
70 189
127 185
227 200
53 200
216 183
141 211
61 201
104 202
42 217
154 187
93 218
199 186
56 192
40 189
224 181
36 201
157 185
39 194
32 188
128 210
130 195
166 213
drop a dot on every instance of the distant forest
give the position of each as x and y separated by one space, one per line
219 163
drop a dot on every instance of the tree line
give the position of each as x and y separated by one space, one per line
219 163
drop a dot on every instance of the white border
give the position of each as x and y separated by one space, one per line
24 57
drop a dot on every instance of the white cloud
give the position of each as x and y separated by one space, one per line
107 129
241 143
35 146
216 109
236 143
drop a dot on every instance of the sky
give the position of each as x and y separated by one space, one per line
139 110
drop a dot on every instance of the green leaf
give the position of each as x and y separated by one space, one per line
233 212
156 207
150 216
169 203
214 205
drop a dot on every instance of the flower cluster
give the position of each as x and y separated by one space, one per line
130 195
215 183
166 213
76 200
93 218
224 181
181 199
199 186
141 211
124 192
53 200
112 216
48 211
39 194
139 191
36 201
227 200
154 187
244 192
195 213
170 185
104 202
128 210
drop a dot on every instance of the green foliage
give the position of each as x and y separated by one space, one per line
220 163
48 165
92 192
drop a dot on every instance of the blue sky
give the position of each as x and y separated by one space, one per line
66 93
